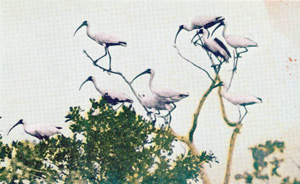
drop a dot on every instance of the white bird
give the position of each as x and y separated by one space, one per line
164 95
111 96
154 103
239 99
200 22
40 131
102 39
215 46
236 41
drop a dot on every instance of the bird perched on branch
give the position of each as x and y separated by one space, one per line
239 100
111 96
40 131
200 22
236 41
215 46
164 95
154 104
103 39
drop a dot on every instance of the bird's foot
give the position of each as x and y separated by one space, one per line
149 113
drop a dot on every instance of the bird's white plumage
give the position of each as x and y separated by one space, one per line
239 99
112 96
41 129
201 21
103 39
154 103
237 41
165 95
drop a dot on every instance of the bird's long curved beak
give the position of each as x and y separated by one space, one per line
145 72
83 83
180 28
221 24
19 122
79 28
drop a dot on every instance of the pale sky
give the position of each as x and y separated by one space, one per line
42 67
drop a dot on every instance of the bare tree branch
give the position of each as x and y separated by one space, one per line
193 63
197 112
224 115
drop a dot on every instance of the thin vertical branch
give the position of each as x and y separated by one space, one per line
197 112
235 132
224 115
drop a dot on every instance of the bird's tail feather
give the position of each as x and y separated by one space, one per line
124 44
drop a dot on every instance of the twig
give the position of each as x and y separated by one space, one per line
193 63
120 74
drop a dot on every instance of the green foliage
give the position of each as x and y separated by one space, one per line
260 153
106 146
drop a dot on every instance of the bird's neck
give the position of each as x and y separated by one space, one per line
89 33
150 82
205 35
97 87
224 29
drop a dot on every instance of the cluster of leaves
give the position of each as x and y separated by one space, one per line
260 154
106 146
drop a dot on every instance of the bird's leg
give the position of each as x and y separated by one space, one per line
119 106
239 114
208 33
195 42
244 114
153 121
174 106
239 53
158 112
170 119
235 59
105 49
109 60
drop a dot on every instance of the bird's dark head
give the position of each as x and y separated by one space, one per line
84 23
220 18
18 123
179 29
90 78
201 31
148 71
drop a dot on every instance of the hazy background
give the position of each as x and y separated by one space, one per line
42 67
